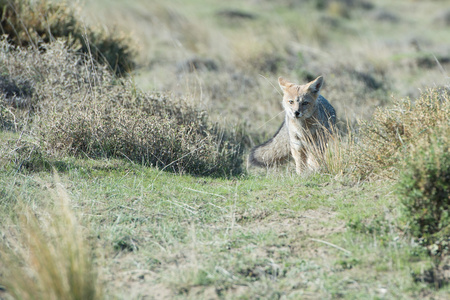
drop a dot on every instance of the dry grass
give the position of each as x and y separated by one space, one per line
271 45
46 256
335 158
385 141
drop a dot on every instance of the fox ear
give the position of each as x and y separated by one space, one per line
315 85
284 83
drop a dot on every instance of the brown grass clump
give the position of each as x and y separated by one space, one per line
35 22
80 108
47 258
335 158
386 140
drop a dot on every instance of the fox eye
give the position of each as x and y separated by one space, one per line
291 101
305 103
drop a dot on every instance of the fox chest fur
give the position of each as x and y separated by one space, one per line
301 131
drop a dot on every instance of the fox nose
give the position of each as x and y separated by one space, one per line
297 113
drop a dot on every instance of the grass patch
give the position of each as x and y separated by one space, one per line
188 236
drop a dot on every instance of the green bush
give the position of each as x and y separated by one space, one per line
35 22
424 189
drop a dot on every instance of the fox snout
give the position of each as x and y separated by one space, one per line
296 111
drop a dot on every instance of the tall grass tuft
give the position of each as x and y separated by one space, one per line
47 256
330 152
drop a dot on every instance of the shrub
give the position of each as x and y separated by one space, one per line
424 188
178 139
385 141
82 109
35 22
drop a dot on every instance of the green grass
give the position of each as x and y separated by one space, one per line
246 237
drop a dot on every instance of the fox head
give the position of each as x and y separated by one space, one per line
299 101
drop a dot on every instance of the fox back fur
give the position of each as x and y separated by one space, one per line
309 119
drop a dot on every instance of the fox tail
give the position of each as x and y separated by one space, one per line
275 150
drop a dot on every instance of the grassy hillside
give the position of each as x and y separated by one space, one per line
135 185
366 50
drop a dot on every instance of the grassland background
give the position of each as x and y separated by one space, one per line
367 51
262 234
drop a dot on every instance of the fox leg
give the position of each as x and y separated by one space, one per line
300 158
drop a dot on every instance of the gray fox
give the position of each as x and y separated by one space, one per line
308 121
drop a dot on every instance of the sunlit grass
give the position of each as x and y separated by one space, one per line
47 256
